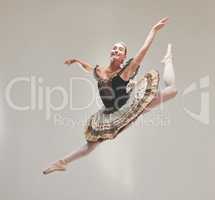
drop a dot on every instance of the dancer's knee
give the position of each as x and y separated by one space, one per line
91 146
174 91
168 93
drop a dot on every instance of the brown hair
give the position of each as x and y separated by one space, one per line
124 45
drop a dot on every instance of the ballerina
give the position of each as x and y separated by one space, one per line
124 100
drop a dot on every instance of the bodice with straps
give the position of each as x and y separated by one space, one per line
113 91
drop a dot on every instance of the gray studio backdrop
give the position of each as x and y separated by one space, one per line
167 154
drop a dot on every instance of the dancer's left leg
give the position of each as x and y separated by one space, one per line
165 95
170 90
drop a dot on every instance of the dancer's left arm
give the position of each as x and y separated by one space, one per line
138 58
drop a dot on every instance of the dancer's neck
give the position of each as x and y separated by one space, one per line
113 66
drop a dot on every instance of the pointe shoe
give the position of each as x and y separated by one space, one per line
168 55
60 165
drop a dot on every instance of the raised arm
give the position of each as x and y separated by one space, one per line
138 58
87 67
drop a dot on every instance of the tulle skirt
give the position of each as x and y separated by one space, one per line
102 126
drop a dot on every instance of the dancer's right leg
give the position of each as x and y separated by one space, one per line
83 151
60 165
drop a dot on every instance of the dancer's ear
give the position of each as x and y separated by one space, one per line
125 56
126 53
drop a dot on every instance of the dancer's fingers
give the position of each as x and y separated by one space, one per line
66 62
164 20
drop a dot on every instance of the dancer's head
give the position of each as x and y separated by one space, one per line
118 52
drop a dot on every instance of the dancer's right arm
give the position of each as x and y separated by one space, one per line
87 67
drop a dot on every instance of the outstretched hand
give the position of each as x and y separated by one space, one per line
160 24
70 61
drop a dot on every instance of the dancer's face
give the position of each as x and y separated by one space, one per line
118 53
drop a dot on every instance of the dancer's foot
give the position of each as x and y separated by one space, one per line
60 165
168 55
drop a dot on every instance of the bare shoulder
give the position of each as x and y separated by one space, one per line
99 68
131 68
100 71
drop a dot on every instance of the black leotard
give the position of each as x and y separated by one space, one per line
113 91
